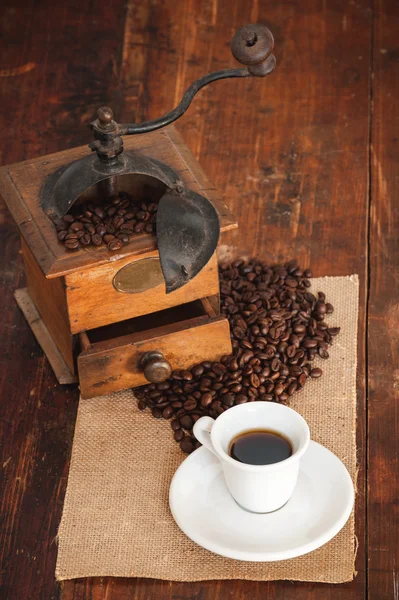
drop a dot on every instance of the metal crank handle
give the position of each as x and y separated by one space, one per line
252 45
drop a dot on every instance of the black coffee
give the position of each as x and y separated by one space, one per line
260 447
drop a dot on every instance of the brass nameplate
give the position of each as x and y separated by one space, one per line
139 276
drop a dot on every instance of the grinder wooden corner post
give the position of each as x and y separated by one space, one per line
115 317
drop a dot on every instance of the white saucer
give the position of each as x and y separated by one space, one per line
204 510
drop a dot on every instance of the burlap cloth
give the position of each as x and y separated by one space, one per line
116 519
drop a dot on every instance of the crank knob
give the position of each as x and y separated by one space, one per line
252 46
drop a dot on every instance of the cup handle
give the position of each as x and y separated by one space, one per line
202 431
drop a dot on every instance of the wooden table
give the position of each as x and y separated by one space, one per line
306 159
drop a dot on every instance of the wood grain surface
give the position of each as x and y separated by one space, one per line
383 313
290 156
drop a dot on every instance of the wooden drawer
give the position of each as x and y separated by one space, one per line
185 335
93 300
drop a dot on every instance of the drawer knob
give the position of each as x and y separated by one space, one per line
156 367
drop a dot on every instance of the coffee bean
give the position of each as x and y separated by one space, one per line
275 364
186 422
207 365
284 370
100 229
299 328
77 226
96 239
72 244
175 424
118 222
321 308
186 375
90 228
333 330
99 212
216 404
115 244
167 412
315 373
219 369
62 234
85 240
179 435
235 388
139 228
309 343
323 353
295 341
110 228
295 371
206 399
291 281
187 445
302 379
190 404
241 399
239 333
197 371
228 400
128 227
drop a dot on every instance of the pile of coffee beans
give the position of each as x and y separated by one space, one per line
111 224
277 330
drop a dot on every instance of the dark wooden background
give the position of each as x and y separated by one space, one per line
307 159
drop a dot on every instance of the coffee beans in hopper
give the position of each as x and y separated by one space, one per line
111 225
277 328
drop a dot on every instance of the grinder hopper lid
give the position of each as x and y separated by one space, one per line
187 232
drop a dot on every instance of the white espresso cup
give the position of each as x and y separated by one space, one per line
257 488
